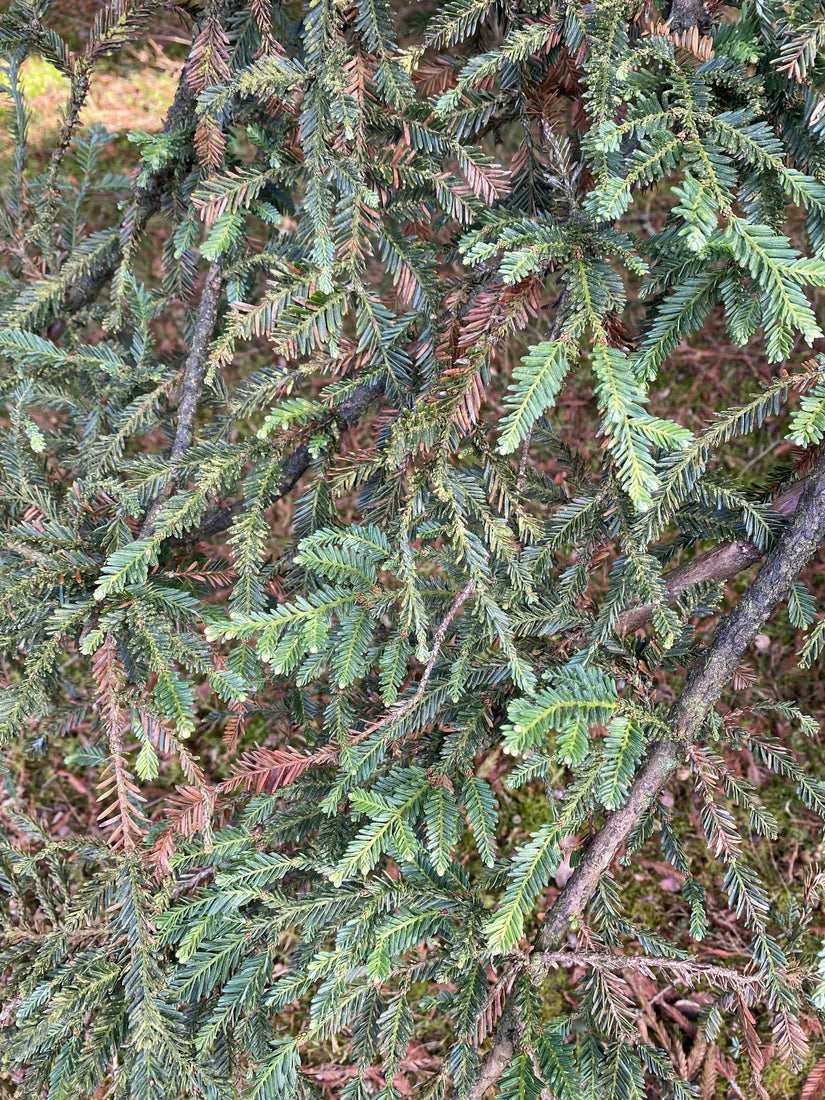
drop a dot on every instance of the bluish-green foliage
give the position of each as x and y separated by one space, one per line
425 235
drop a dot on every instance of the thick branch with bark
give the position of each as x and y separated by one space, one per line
296 464
190 386
718 564
797 545
195 361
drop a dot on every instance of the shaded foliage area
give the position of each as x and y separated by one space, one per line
309 573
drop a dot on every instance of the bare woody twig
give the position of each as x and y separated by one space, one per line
396 713
190 387
101 43
794 549
500 1055
193 372
687 971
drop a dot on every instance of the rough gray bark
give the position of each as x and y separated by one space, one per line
797 545
191 384
686 14
723 561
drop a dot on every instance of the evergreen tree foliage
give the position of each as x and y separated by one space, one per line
343 524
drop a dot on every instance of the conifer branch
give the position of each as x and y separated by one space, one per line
797 545
366 235
116 782
79 91
555 329
146 199
110 32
